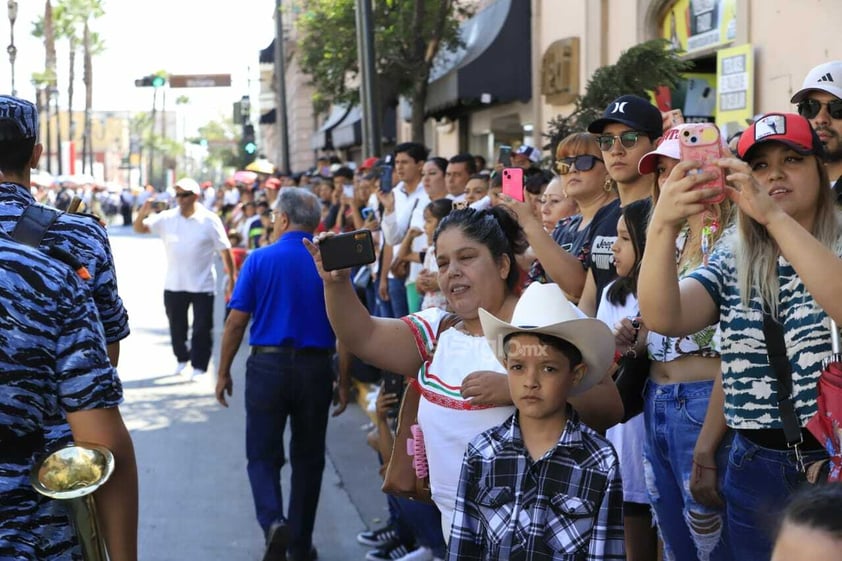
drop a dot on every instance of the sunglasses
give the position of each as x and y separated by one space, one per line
809 108
183 194
583 162
628 139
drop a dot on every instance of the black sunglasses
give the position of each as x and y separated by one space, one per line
628 139
809 108
583 162
182 194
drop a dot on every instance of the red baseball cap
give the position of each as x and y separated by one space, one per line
273 183
369 163
788 128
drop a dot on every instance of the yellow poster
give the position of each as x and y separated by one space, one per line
734 85
693 25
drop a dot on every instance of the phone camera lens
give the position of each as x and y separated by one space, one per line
693 139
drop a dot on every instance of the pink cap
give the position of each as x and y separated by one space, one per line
667 146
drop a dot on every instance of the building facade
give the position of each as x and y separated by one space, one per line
525 61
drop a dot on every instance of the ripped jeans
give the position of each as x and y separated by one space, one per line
674 414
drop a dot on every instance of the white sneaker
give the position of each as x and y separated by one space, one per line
420 554
180 367
197 375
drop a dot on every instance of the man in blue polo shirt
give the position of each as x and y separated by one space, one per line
288 374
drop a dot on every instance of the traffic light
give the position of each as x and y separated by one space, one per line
248 142
153 80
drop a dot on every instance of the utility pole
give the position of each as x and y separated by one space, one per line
372 137
281 92
150 165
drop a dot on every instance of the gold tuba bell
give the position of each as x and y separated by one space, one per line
72 474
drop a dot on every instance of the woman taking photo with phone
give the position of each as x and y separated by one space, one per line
564 254
463 387
785 248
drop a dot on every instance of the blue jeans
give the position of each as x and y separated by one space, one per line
424 521
757 486
298 387
397 294
674 414
382 308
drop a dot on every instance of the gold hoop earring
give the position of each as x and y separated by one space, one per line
608 186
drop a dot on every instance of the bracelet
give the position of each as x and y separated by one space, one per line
700 466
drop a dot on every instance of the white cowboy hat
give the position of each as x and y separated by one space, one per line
543 309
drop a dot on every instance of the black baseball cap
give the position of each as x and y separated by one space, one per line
633 111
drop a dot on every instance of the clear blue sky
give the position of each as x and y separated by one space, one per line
178 36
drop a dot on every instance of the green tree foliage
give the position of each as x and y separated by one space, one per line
407 35
638 71
221 141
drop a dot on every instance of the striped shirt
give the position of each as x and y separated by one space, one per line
53 359
751 397
566 505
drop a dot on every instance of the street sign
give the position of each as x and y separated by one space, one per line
200 80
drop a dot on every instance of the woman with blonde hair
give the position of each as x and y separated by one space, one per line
676 397
564 254
773 271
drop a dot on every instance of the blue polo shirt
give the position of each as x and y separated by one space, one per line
281 289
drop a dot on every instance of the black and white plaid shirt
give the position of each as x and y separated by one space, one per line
568 505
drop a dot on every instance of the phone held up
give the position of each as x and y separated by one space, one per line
345 251
513 183
701 142
504 156
385 179
393 384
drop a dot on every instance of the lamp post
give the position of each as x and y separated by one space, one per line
11 49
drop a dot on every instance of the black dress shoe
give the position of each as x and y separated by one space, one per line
277 541
311 555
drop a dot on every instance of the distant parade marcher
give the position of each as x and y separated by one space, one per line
192 235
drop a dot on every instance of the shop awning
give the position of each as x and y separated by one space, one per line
349 132
323 138
269 117
267 55
493 66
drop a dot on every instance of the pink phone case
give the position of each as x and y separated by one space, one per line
701 142
513 183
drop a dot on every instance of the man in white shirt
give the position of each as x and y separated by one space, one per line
191 235
408 198
460 168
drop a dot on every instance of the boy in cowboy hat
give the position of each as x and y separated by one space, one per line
542 485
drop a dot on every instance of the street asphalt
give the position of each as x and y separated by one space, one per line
195 500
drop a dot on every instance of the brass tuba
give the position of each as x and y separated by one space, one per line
72 474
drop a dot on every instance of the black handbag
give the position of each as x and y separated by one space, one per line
630 378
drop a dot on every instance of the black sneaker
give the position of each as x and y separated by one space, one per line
387 553
387 535
277 540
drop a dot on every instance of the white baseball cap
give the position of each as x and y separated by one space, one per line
825 77
188 184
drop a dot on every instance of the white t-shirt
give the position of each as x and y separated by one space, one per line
627 437
445 418
190 244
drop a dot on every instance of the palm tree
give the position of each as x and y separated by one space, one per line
47 80
93 45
